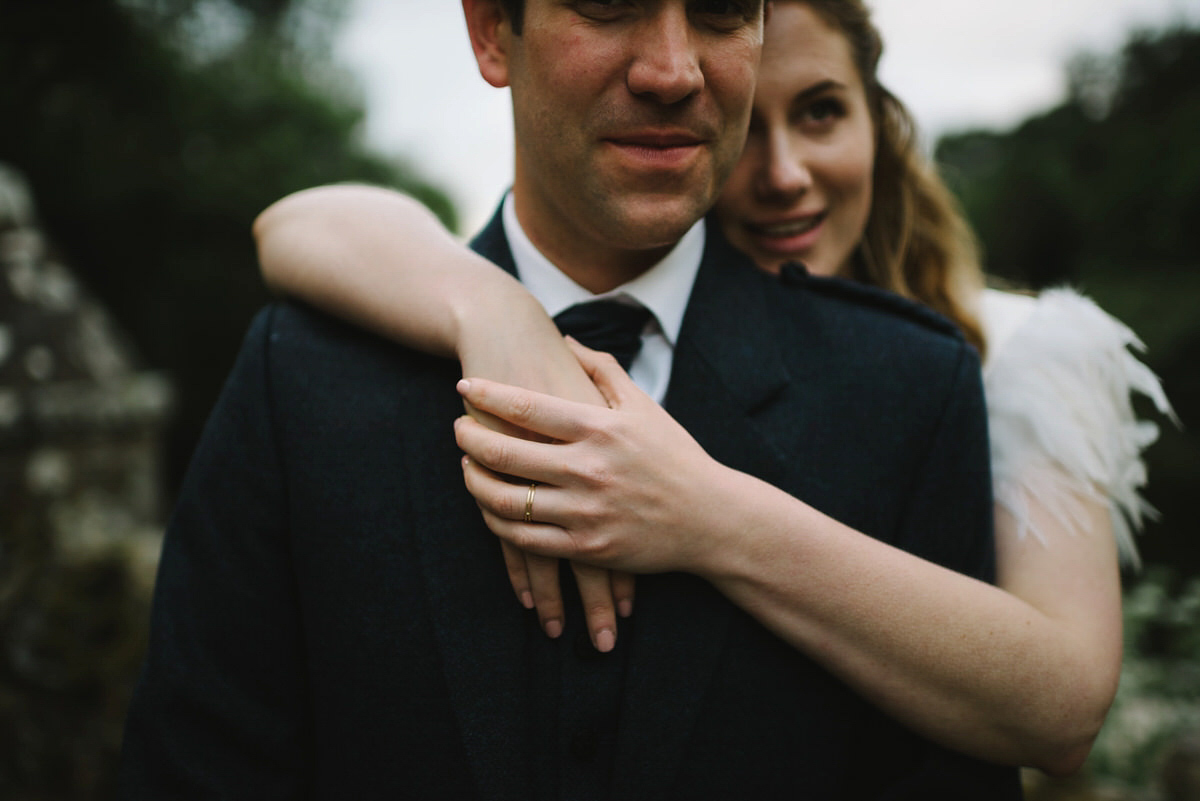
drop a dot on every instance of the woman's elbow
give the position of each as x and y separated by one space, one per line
1065 760
285 212
287 229
1065 752
266 231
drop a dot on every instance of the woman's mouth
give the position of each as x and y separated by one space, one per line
788 227
787 236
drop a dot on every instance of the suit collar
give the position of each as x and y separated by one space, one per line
726 332
663 289
492 244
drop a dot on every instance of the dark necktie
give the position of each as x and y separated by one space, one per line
606 325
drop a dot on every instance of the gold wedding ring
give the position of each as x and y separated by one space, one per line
529 503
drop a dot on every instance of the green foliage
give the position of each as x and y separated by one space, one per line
153 132
1108 180
1158 701
1103 192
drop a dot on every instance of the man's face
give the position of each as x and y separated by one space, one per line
629 115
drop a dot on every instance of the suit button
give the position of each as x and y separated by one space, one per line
584 744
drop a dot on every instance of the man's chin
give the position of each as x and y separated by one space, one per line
657 220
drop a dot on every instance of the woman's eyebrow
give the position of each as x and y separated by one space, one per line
818 88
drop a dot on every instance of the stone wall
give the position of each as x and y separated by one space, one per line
80 518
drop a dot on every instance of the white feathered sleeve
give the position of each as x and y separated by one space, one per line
1059 379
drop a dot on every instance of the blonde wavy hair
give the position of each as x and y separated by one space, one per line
917 242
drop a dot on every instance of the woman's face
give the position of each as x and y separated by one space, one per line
802 189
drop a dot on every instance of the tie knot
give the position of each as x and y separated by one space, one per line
606 325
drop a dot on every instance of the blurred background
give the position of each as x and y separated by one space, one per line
139 138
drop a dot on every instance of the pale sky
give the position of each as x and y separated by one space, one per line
955 63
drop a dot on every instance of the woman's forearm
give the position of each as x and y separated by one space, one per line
382 260
1020 674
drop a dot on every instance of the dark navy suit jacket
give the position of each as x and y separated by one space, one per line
332 619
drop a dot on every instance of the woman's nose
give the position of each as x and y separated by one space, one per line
785 172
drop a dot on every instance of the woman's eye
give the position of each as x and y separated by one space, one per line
821 111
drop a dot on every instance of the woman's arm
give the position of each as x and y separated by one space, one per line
1022 673
1023 676
382 260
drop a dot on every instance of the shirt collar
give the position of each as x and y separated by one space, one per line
663 289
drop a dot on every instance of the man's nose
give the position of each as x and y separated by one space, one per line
784 172
666 66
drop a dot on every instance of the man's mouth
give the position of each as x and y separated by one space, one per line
657 151
660 140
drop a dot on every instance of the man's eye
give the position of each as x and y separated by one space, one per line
740 9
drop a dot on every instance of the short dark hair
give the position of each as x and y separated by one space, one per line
515 9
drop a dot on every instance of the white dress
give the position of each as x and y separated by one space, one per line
1059 378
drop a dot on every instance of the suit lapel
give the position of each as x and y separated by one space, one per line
483 634
728 370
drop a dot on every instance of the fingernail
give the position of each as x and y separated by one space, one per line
624 607
605 640
553 628
466 460
527 599
463 385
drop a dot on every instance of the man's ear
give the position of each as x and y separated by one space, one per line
491 33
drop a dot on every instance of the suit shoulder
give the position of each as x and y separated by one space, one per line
300 344
286 318
858 298
287 325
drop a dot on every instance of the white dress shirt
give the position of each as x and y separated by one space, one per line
663 289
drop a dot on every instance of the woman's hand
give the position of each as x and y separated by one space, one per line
525 348
622 487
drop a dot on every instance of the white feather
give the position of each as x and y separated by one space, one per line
1059 381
